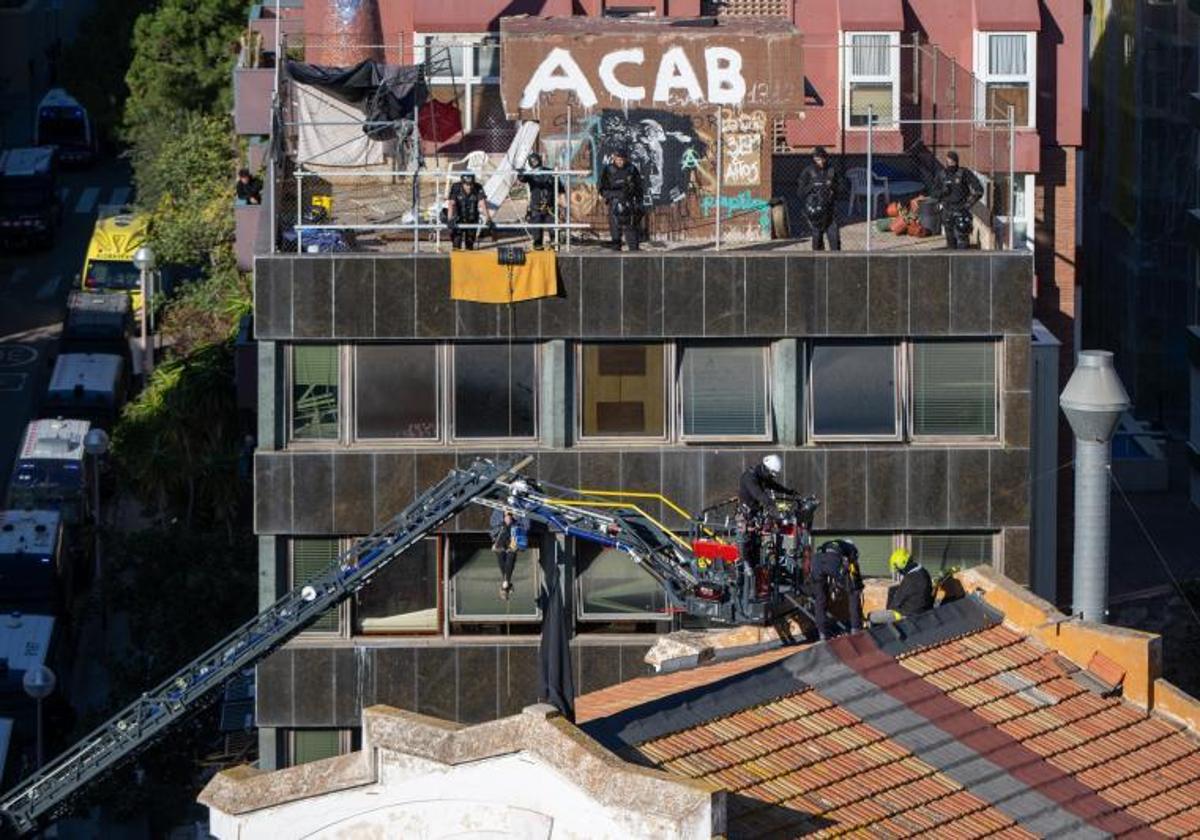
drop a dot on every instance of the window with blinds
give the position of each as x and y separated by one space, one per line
311 557
954 389
314 393
315 744
723 392
941 552
872 78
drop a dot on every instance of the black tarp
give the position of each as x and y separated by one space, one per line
556 682
387 93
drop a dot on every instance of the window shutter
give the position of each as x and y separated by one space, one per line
939 552
311 557
954 388
723 391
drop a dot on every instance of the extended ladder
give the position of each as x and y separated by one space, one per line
47 792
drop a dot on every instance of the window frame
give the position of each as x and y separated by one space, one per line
289 367
896 538
351 419
450 591
582 616
345 742
910 432
900 395
451 426
849 78
345 626
1029 181
436 631
985 76
467 42
996 535
669 364
679 352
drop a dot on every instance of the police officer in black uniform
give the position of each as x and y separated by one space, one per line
958 190
466 197
835 567
621 187
543 196
820 187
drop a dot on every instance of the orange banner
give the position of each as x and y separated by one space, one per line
477 276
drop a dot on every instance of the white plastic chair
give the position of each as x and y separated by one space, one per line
858 188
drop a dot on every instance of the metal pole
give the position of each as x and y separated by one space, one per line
1012 179
99 568
299 211
720 143
570 157
1089 596
39 734
147 356
870 176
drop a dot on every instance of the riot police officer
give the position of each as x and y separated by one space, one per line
543 195
820 187
958 190
835 566
621 187
462 205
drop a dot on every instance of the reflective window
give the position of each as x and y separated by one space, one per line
315 388
939 553
873 551
623 390
954 388
723 391
853 390
403 596
494 387
612 586
475 582
310 558
396 391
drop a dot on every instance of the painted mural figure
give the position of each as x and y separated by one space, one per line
659 144
544 189
621 186
820 187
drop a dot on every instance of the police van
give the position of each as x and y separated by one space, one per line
36 575
97 323
88 386
30 207
64 123
51 472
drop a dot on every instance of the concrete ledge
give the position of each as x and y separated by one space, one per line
241 790
1177 705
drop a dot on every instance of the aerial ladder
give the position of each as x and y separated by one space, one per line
700 576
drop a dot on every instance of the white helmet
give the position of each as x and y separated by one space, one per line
774 464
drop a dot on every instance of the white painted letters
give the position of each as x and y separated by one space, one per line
608 75
724 68
675 71
558 71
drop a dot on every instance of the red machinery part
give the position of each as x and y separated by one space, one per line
713 550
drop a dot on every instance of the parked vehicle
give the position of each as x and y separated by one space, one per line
62 122
108 266
30 207
51 472
97 323
36 575
89 386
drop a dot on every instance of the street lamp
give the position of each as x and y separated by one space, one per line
143 258
39 684
95 443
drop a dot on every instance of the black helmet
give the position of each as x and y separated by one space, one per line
534 160
819 152
467 177
621 151
845 548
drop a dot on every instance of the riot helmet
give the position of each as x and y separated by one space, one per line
534 161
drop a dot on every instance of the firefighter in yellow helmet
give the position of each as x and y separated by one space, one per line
912 595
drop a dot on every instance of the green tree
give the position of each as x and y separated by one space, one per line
183 52
185 179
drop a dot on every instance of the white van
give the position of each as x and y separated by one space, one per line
88 386
51 472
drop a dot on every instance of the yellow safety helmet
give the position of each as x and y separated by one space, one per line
899 559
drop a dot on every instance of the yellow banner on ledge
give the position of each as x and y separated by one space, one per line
475 275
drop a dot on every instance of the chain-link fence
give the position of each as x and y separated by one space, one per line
347 178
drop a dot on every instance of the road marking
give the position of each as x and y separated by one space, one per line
12 381
87 200
49 288
120 195
17 355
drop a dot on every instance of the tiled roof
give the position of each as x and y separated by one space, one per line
982 733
